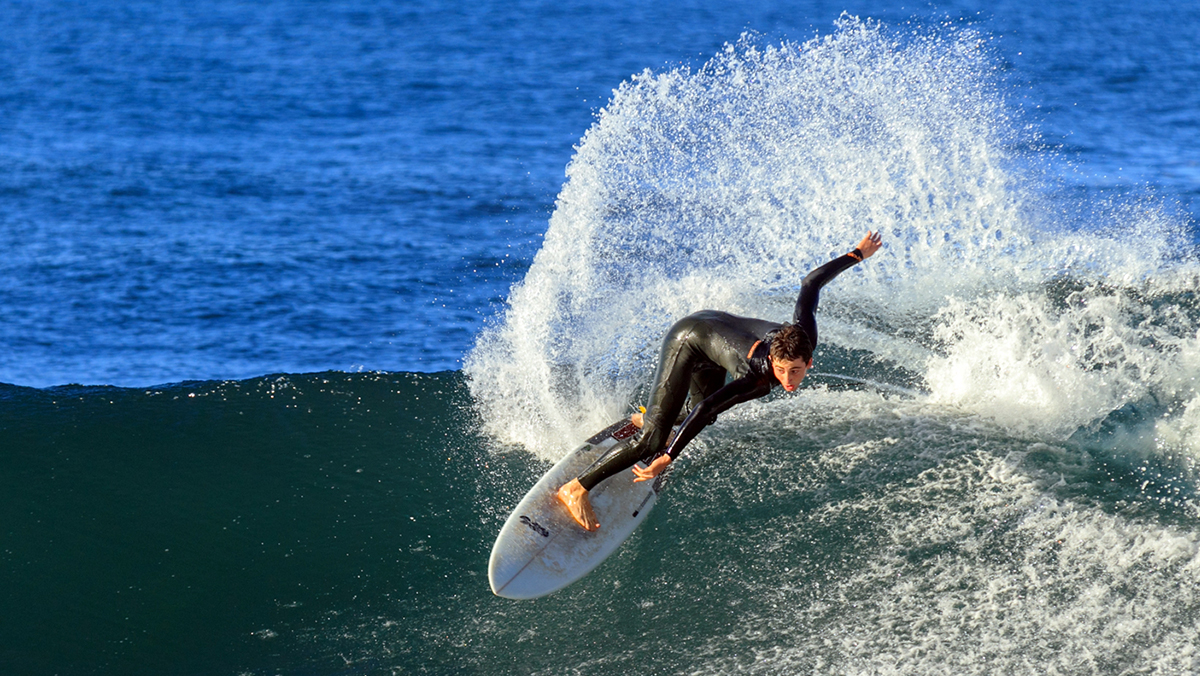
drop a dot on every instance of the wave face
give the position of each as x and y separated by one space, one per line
299 524
339 523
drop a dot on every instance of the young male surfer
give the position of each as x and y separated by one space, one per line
696 354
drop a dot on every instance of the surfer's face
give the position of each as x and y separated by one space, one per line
790 373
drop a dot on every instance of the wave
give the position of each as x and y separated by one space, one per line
340 523
232 526
720 187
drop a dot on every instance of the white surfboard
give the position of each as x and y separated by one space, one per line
541 549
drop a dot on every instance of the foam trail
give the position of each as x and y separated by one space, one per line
964 554
721 187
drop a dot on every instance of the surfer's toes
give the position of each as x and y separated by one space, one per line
574 497
637 420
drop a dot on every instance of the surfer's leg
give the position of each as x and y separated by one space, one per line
671 384
704 383
616 463
681 354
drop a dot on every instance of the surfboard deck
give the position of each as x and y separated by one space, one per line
541 549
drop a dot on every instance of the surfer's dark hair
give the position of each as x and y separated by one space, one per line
791 343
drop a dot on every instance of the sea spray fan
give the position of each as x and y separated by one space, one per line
722 187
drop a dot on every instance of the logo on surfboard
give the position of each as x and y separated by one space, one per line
537 527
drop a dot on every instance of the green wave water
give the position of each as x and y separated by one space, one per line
340 524
234 527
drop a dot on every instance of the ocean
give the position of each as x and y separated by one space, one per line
299 298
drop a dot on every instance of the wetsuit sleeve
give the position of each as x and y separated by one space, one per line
810 289
705 413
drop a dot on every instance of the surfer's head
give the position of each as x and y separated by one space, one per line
791 343
791 356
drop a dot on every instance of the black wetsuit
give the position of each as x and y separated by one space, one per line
696 354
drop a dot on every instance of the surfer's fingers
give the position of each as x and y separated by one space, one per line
870 243
652 470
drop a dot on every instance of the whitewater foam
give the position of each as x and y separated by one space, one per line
721 187
924 543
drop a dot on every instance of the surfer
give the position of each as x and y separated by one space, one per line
696 354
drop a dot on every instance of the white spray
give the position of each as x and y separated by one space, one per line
721 187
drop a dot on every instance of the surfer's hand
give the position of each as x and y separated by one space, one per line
870 244
652 470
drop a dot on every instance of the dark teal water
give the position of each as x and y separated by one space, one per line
224 527
340 524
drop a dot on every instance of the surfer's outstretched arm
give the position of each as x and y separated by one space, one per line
810 289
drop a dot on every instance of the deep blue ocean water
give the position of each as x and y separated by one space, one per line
228 190
298 298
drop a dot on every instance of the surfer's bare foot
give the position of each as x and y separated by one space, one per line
636 419
574 497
